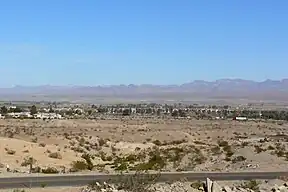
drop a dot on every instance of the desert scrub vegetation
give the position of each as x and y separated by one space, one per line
50 170
279 151
157 158
10 151
55 155
216 150
78 166
42 144
226 148
259 149
140 181
167 143
238 159
251 185
85 164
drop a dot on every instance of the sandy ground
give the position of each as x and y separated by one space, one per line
50 189
250 146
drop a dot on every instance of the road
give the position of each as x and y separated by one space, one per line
80 180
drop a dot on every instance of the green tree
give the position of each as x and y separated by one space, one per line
33 110
51 109
4 110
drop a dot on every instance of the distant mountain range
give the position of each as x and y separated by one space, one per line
219 89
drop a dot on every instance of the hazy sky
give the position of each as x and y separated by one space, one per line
94 42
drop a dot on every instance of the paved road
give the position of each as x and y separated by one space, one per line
80 180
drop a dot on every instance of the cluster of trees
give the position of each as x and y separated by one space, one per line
267 114
4 110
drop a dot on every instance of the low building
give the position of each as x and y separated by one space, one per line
47 116
20 115
241 118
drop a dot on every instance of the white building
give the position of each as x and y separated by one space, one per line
241 118
47 116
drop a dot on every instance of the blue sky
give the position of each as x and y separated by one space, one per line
91 42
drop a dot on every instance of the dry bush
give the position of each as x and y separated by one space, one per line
78 166
258 149
141 181
252 185
216 150
157 142
55 155
102 142
34 140
18 190
197 185
42 145
50 170
10 151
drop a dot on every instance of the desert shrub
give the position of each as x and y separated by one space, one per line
79 166
36 170
18 190
88 160
238 159
258 149
10 151
55 155
196 185
222 143
155 162
216 150
43 185
102 142
132 158
200 143
28 161
78 149
252 185
34 140
270 148
280 153
42 144
109 158
157 142
50 170
141 181
244 144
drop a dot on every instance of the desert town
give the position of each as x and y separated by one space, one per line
61 139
